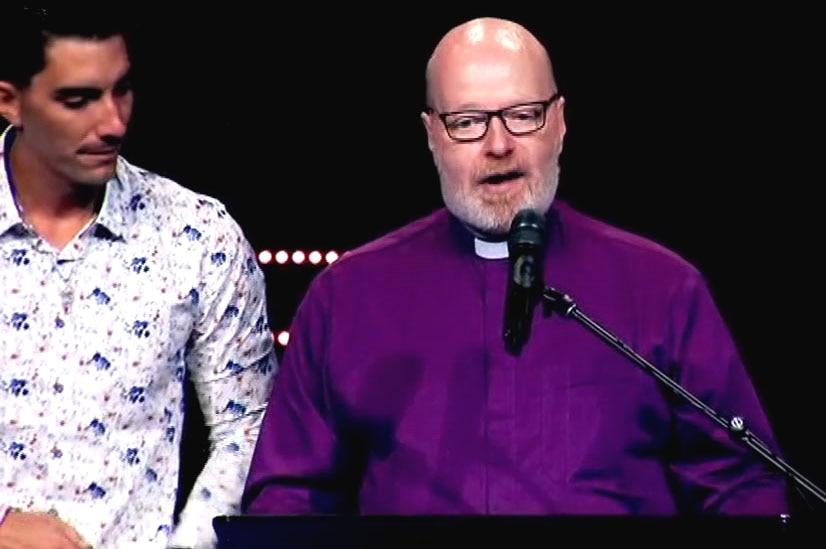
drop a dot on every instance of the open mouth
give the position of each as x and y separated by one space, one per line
502 177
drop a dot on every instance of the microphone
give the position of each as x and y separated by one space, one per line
526 250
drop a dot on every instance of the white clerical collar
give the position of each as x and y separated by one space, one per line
491 250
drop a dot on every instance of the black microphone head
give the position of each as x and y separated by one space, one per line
527 231
526 246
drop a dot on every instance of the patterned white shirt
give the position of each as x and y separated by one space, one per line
95 340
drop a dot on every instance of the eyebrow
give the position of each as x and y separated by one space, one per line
77 91
466 107
88 91
474 107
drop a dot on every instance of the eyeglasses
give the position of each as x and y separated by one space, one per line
519 119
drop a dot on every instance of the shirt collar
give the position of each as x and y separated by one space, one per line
9 215
490 250
498 249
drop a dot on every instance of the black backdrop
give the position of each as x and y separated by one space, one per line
692 126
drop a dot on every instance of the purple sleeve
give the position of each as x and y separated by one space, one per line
297 467
721 474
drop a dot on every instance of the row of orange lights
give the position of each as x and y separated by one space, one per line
296 257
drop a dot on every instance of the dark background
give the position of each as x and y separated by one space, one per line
693 126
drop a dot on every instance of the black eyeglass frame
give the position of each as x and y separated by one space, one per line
499 114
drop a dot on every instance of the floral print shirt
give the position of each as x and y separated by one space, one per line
96 342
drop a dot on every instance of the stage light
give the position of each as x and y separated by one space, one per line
264 256
297 257
282 338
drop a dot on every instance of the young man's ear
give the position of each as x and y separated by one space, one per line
9 103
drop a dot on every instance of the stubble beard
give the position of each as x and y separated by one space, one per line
490 215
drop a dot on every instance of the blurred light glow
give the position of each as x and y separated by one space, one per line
297 257
264 256
282 338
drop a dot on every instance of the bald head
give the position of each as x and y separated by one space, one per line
503 163
486 47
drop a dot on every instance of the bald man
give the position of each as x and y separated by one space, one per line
399 395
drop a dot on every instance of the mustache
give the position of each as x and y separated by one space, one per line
107 143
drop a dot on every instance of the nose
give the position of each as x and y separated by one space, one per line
114 117
498 142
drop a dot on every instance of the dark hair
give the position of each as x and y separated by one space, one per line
28 29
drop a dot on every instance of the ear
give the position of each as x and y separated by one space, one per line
562 127
10 102
428 126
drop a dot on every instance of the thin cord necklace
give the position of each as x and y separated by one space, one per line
68 292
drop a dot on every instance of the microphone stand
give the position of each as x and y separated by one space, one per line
560 303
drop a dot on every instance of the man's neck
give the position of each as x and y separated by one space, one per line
41 193
55 208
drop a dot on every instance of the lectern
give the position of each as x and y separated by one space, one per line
507 532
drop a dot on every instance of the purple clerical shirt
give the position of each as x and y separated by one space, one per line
396 394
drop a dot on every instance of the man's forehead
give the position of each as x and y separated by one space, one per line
492 72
